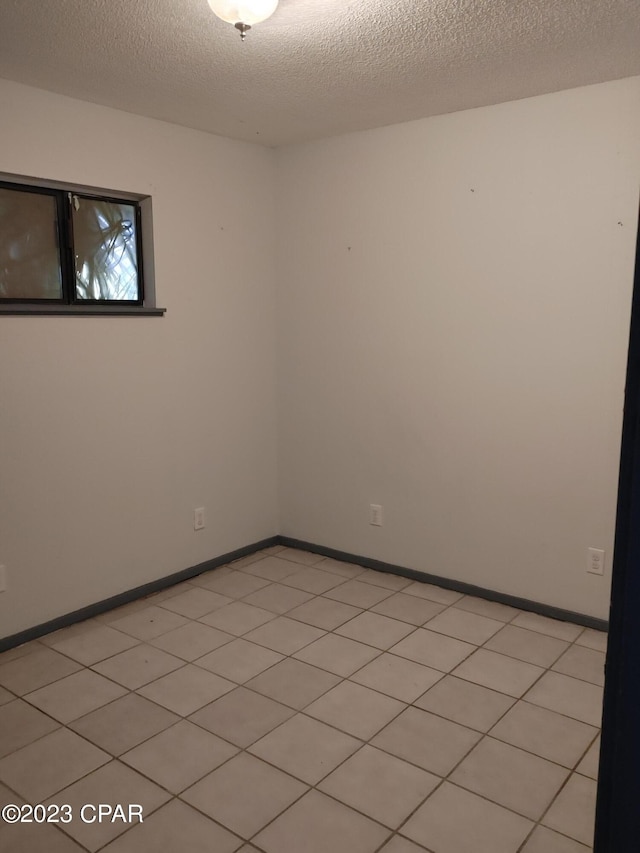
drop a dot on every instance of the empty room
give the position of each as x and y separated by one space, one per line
315 329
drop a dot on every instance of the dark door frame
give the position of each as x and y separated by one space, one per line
618 803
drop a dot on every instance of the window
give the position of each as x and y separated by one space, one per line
74 251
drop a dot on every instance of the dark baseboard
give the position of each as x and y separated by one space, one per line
369 563
131 595
448 583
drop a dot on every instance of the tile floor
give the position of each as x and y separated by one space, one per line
288 703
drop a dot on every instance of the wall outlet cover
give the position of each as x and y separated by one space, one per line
375 515
595 561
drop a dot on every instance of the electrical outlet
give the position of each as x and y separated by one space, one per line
198 518
595 561
3 578
375 515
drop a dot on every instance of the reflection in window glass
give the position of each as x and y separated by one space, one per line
106 258
29 254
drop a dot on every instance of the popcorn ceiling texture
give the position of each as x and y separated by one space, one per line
317 68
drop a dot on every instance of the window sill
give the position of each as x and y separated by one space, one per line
81 310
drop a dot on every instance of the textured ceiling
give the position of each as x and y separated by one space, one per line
317 67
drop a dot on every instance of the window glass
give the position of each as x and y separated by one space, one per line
105 249
29 251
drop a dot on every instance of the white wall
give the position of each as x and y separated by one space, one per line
454 299
461 364
113 429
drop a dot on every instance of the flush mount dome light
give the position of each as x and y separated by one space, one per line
243 13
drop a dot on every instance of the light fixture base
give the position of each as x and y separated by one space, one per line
243 29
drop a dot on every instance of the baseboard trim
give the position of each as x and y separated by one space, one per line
378 565
448 583
131 595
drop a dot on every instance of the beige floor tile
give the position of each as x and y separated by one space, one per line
433 649
20 725
149 622
75 695
195 602
401 845
499 672
313 580
324 613
114 783
545 733
318 824
241 562
175 827
573 811
8 796
430 742
238 618
272 549
432 592
293 683
305 558
464 625
168 592
284 635
528 646
510 777
272 568
337 654
37 668
590 763
56 760
593 639
192 641
551 627
124 723
244 794
339 567
179 756
376 630
242 716
456 821
234 585
359 594
408 608
569 696
278 598
580 662
497 783
544 840
388 580
32 837
94 644
24 649
186 690
484 607
239 660
465 703
354 709
114 614
138 666
305 748
379 785
398 677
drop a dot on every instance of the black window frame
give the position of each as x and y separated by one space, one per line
69 303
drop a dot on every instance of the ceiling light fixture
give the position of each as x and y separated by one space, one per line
243 13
